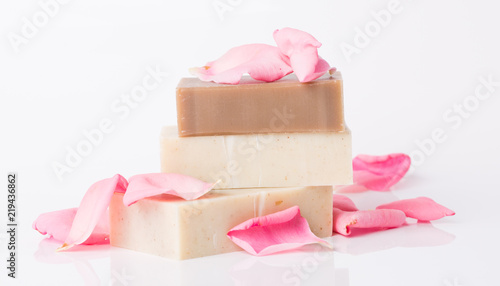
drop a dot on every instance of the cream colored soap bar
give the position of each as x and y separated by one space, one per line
260 160
172 227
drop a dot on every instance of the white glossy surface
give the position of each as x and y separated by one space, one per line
429 59
459 250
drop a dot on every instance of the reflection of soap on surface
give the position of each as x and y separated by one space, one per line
311 261
285 105
172 227
260 160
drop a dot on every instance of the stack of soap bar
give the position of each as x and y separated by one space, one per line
256 139
285 106
172 227
260 160
255 134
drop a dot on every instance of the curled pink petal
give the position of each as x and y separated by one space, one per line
379 173
343 221
284 230
422 208
57 224
343 203
148 185
92 208
302 50
260 61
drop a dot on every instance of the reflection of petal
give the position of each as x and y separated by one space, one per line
280 231
148 185
413 235
425 234
46 252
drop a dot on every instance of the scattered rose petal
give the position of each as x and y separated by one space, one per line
422 208
273 233
92 208
81 260
343 221
88 224
302 50
57 224
343 203
260 61
379 173
148 185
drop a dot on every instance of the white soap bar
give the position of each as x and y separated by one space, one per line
260 160
172 227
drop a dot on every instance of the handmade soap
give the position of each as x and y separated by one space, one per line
172 227
286 105
260 160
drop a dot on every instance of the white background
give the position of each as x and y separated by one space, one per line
417 67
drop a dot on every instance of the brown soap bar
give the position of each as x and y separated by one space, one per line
285 105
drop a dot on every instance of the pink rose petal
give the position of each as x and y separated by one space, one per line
57 224
88 224
379 173
260 61
343 203
284 230
93 206
343 221
148 185
422 208
302 49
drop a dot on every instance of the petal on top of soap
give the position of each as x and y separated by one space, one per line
343 203
148 185
422 208
92 209
281 231
57 224
262 62
343 221
379 173
302 49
